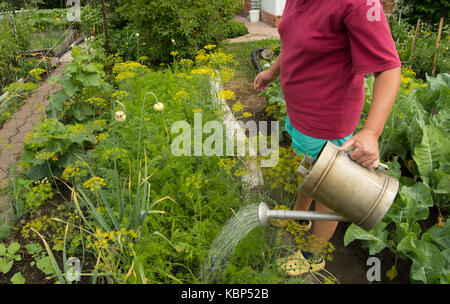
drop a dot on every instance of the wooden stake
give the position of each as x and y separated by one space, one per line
415 39
105 28
11 13
437 46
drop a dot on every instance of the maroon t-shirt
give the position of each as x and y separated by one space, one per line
327 46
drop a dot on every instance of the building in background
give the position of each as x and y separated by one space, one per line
271 10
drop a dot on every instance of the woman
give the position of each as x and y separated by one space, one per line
327 47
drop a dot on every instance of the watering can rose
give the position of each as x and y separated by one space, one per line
120 116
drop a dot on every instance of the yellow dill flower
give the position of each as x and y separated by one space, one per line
247 114
174 53
75 170
196 180
119 94
101 136
127 66
125 75
77 129
94 183
241 171
119 152
96 101
203 71
36 73
187 62
209 46
227 95
44 155
227 164
181 95
226 74
238 107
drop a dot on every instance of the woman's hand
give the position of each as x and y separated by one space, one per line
366 150
262 80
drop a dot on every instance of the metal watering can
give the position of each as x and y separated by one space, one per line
355 193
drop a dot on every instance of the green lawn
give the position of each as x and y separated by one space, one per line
245 68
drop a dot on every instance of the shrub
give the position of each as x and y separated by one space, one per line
428 10
235 29
422 61
11 48
184 25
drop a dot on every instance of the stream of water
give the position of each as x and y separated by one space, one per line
237 227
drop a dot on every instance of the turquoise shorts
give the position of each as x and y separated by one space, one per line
304 144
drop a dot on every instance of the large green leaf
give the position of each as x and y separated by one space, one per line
69 86
5 265
45 265
39 171
440 182
57 100
375 239
438 235
71 156
394 168
13 247
89 79
427 154
405 229
428 261
18 278
82 111
412 204
441 80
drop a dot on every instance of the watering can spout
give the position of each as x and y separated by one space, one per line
264 214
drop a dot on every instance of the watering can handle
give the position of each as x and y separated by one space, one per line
302 170
380 165
308 161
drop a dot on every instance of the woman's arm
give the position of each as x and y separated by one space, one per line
385 90
263 79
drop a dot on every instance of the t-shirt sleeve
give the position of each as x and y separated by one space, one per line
371 43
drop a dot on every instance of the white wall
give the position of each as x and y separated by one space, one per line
274 7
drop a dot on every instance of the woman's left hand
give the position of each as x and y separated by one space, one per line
366 150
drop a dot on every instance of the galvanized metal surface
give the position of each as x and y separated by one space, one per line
361 195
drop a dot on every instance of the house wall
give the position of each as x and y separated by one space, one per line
271 11
251 5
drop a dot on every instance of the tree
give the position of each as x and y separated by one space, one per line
429 11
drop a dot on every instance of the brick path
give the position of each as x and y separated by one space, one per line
12 135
